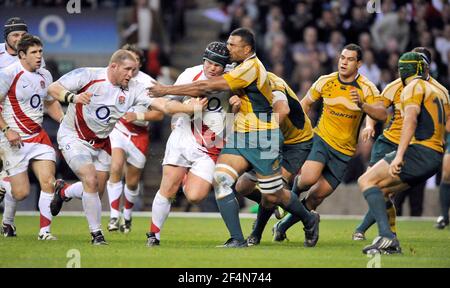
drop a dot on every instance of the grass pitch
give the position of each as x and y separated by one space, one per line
190 242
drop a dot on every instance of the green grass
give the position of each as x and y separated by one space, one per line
190 242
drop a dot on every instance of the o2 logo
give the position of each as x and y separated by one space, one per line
214 104
102 112
35 101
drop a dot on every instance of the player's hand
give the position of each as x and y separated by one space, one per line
83 98
355 97
367 133
199 104
235 103
130 117
396 166
14 138
157 90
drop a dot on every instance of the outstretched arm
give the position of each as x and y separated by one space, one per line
60 93
194 89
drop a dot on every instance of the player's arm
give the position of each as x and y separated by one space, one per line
151 115
376 111
13 137
280 105
447 113
408 130
172 107
60 93
369 130
54 110
307 102
194 89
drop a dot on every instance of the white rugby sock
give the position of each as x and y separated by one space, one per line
114 192
130 198
10 204
74 191
45 215
160 212
93 210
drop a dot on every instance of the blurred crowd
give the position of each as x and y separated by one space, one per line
301 39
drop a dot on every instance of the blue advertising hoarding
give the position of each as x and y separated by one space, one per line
89 32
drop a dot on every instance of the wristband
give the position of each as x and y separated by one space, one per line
69 97
140 116
4 130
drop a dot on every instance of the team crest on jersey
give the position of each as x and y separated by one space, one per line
121 99
42 84
276 165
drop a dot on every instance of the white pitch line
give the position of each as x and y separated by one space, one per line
217 215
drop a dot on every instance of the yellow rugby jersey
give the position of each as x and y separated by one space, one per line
296 127
250 82
391 97
434 106
341 118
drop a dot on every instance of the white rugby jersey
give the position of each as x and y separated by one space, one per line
218 102
7 59
210 127
137 126
109 103
22 94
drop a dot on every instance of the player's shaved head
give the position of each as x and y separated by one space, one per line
121 55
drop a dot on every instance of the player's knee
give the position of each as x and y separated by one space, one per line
223 183
305 182
116 170
194 198
48 184
20 193
132 186
91 181
363 182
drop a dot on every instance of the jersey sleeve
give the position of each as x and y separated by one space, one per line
142 98
371 93
76 79
4 84
242 76
278 96
315 92
48 80
412 94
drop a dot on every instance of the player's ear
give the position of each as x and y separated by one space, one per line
21 54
